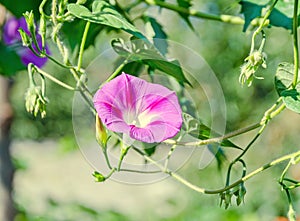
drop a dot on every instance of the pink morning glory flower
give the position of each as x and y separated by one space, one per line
145 111
11 36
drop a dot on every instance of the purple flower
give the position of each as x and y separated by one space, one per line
146 112
11 36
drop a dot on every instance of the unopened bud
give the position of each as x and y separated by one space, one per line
29 17
99 177
25 38
101 134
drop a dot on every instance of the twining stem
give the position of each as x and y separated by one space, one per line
215 139
295 41
269 114
223 18
85 93
106 158
202 190
83 40
172 174
55 80
253 173
291 213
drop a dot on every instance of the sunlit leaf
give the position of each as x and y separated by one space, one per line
283 81
105 14
281 15
200 131
147 54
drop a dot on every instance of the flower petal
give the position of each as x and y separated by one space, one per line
12 36
147 112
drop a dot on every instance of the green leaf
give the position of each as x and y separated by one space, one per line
279 17
20 7
73 32
200 131
219 154
10 62
105 14
159 35
283 81
171 68
149 148
185 4
250 11
147 54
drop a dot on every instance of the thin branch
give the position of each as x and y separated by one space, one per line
222 18
83 40
295 40
215 139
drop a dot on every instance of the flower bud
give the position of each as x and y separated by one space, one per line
25 38
29 17
99 177
101 134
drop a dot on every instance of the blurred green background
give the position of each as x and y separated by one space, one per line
54 181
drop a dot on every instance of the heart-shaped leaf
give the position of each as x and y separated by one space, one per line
283 81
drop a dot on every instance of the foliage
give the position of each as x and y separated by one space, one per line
90 19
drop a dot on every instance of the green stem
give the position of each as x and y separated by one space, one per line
57 62
112 171
41 7
295 40
172 174
255 172
172 149
262 24
140 171
215 139
83 40
55 80
269 114
229 171
202 190
54 12
249 145
115 73
124 151
107 158
191 12
291 214
31 69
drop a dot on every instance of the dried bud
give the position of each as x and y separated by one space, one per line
35 101
252 63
